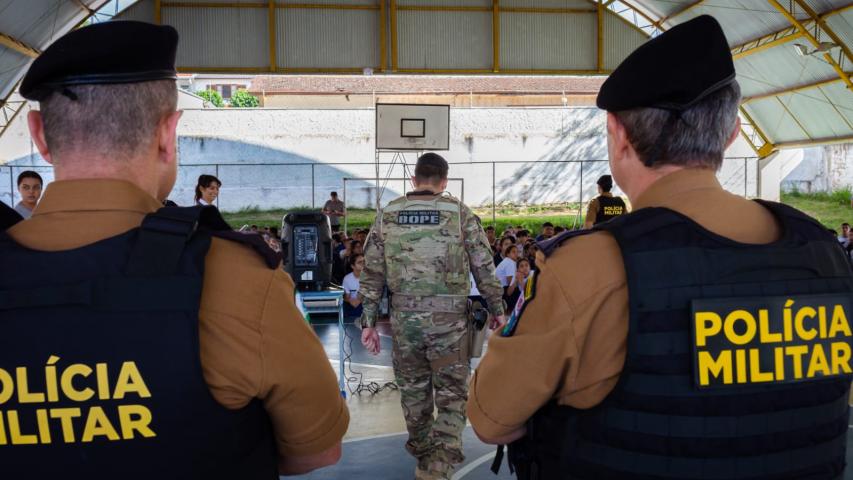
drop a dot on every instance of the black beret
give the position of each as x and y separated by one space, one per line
104 53
672 71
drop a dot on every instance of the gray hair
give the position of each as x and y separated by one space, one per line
698 139
112 121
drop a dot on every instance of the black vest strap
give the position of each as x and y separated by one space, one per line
162 238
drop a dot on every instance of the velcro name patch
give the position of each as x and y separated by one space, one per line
419 217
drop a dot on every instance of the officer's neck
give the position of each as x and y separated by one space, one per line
426 189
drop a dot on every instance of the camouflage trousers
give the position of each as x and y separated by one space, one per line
421 338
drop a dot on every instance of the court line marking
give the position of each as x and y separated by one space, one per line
473 465
374 437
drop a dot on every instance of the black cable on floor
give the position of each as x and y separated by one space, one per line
372 387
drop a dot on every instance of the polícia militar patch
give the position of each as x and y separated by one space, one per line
518 309
748 341
419 217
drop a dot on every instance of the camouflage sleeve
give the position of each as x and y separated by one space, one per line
480 258
372 278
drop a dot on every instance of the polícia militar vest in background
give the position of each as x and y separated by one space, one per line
609 207
738 360
100 375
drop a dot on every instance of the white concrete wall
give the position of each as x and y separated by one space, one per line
271 158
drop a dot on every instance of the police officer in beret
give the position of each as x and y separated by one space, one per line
605 206
141 341
700 336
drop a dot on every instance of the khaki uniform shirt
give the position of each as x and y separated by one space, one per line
254 342
570 341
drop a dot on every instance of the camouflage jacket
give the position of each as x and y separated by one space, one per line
427 246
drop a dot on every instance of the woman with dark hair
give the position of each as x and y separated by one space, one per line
207 189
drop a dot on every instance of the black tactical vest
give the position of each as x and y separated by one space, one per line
658 423
100 375
609 208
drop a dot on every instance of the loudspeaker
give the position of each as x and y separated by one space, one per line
307 239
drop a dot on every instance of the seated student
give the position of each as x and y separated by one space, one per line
29 186
519 281
845 230
355 248
547 231
352 304
506 269
505 242
490 235
558 230
521 238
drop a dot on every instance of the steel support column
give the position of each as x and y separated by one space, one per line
271 20
600 30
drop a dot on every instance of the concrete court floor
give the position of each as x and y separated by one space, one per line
373 445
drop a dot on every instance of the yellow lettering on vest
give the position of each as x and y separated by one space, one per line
797 353
2 429
44 426
821 313
708 324
740 366
818 362
799 323
130 381
780 363
7 386
78 369
755 373
97 424
787 322
24 395
50 379
708 367
764 333
15 431
840 352
103 381
729 327
839 323
65 415
126 414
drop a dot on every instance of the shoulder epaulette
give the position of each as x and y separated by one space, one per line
549 246
211 221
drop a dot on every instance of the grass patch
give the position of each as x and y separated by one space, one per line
530 218
831 209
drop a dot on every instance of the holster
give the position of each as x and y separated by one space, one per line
477 316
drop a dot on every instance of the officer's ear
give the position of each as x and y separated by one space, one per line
167 137
735 132
36 124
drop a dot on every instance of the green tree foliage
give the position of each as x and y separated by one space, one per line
213 97
244 99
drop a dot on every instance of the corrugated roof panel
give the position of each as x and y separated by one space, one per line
815 113
33 22
781 67
663 8
619 41
839 96
549 41
240 39
311 38
742 20
12 68
823 6
775 122
140 11
842 25
579 4
455 40
446 3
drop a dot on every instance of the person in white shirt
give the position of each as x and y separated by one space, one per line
207 189
845 231
506 269
352 304
519 281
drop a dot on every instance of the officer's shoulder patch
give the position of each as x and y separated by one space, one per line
549 246
520 305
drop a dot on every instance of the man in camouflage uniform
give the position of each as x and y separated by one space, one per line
423 246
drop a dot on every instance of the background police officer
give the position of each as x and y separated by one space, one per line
146 347
593 383
422 246
605 206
